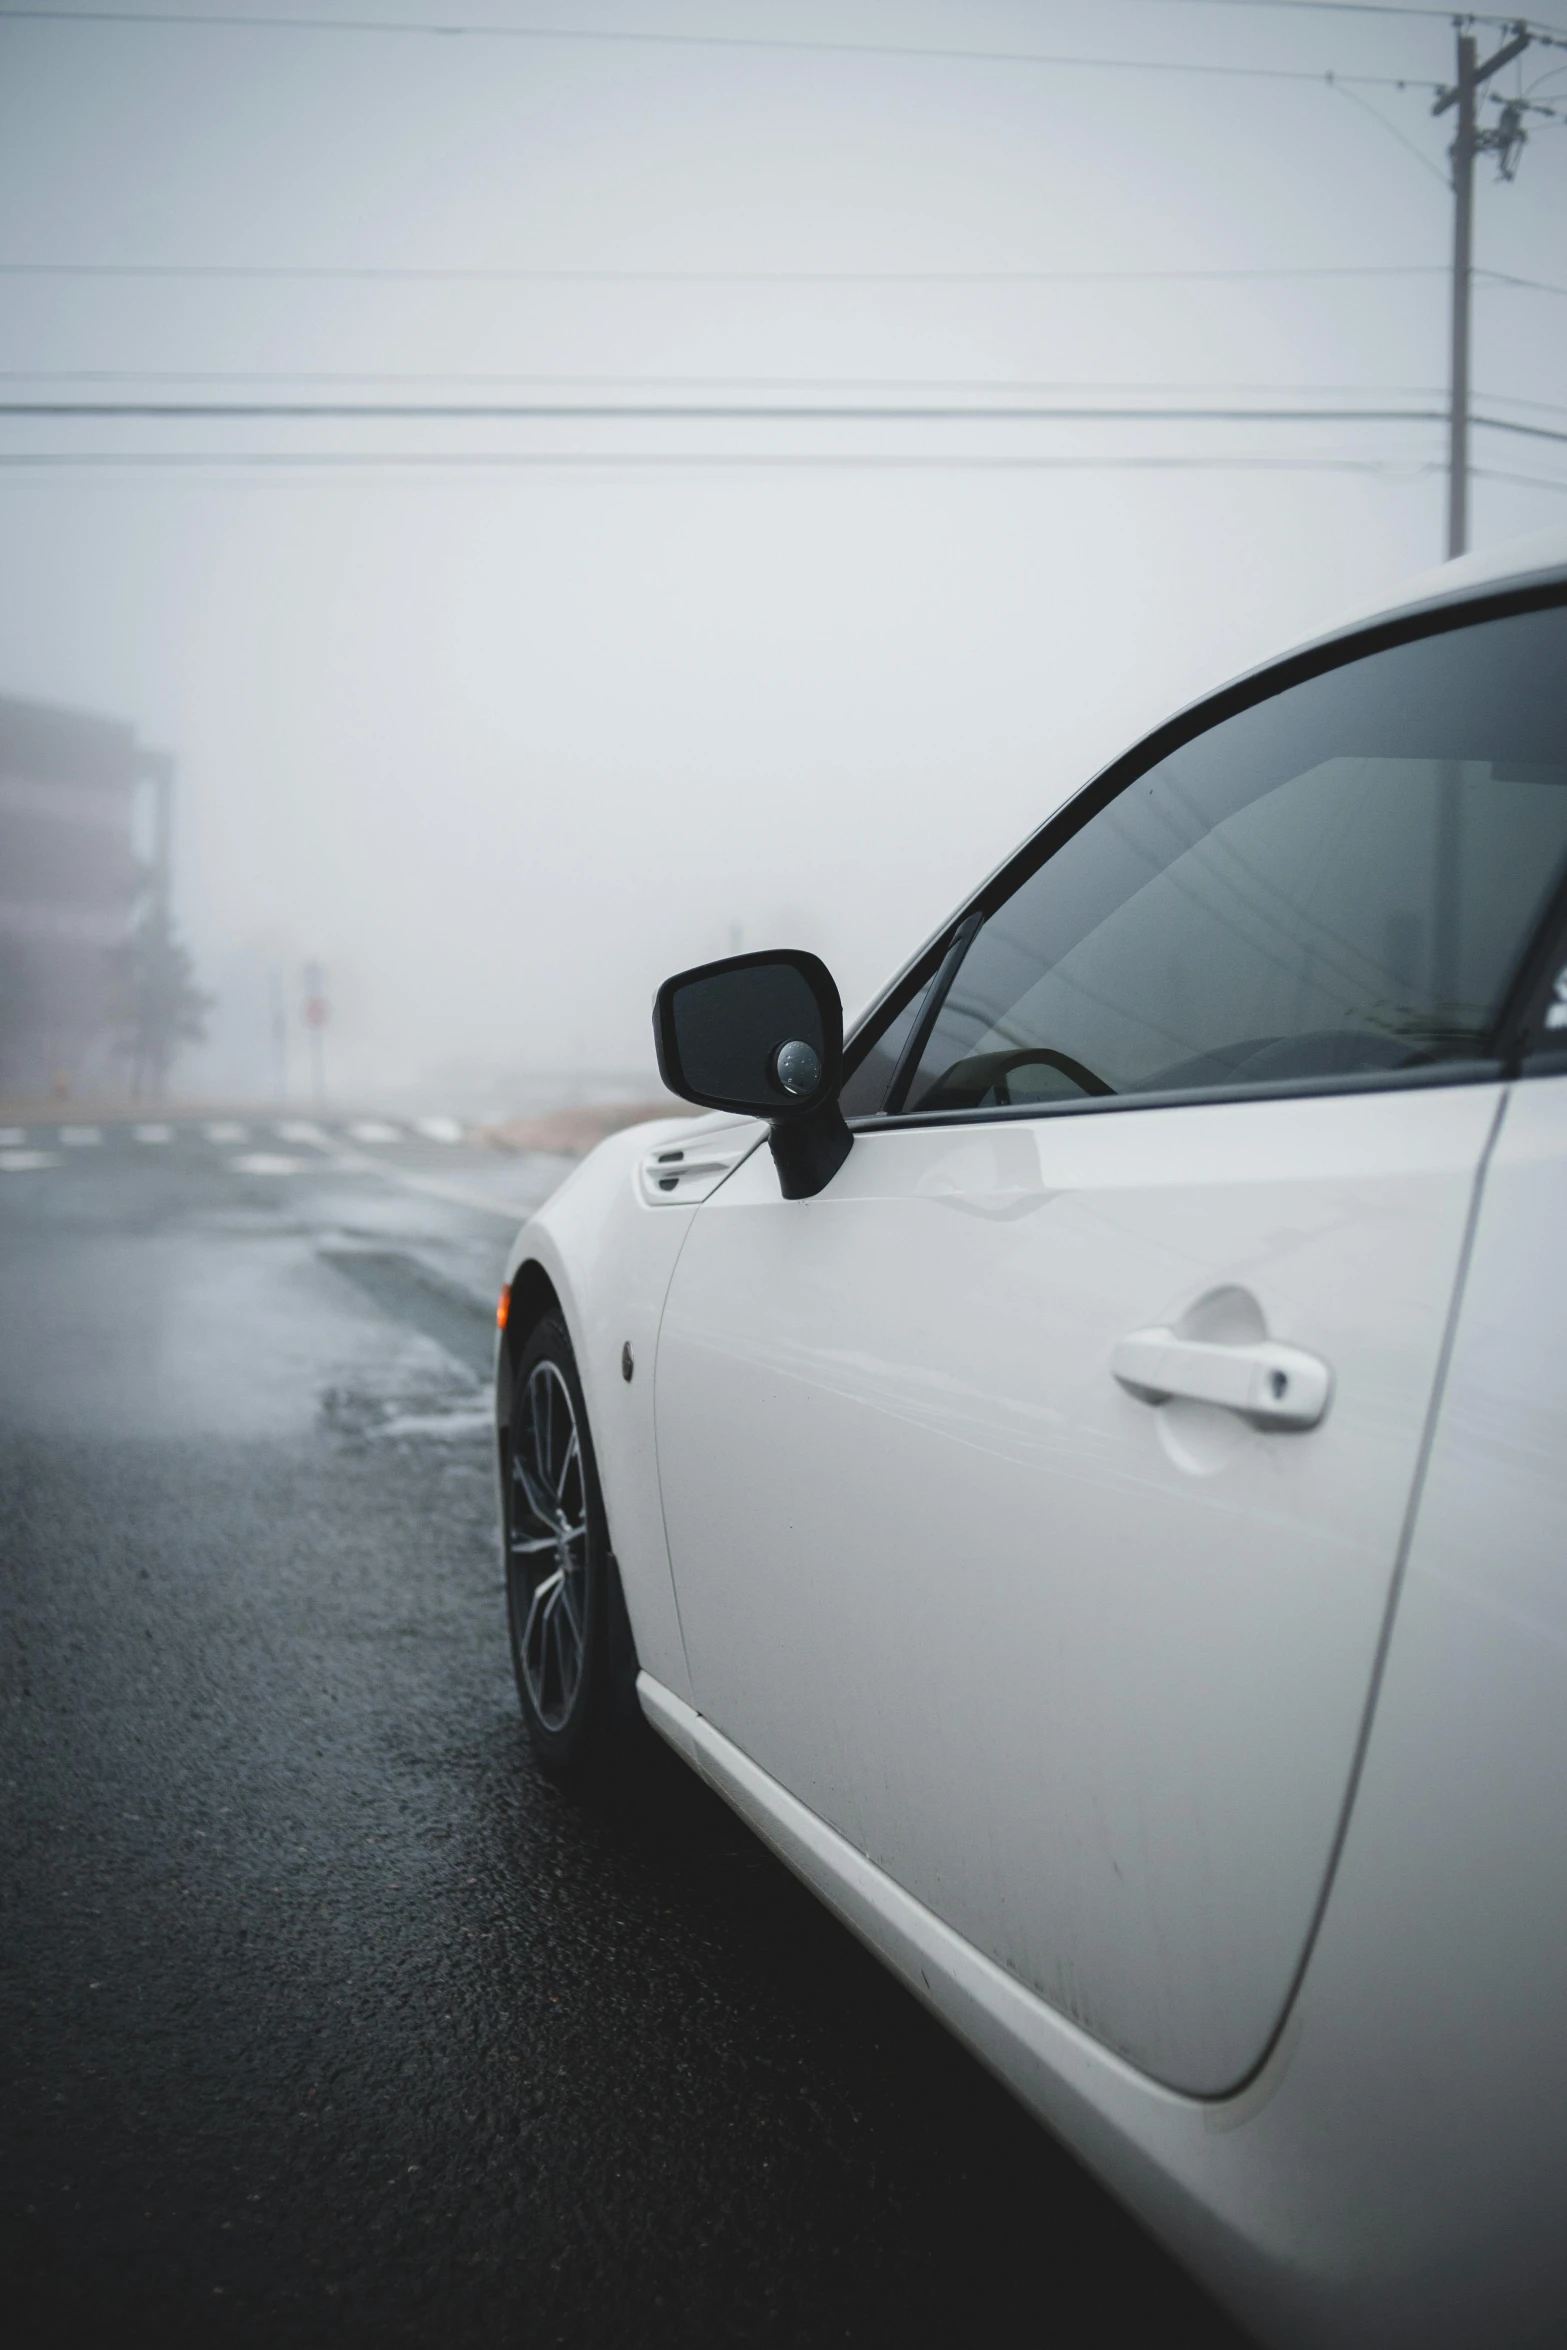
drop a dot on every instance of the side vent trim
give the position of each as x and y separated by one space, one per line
680 1175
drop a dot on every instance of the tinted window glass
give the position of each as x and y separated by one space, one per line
864 1090
1341 879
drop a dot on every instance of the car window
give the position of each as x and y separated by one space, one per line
864 1090
1341 879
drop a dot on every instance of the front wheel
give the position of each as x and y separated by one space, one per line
570 1640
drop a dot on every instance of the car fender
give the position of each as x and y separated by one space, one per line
606 1243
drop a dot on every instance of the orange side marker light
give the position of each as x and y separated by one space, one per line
503 1309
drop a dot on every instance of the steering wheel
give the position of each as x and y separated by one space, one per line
1043 1057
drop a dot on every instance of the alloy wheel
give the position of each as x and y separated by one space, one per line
547 1544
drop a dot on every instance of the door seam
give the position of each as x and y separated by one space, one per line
1389 1614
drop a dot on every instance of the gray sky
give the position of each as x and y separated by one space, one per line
502 743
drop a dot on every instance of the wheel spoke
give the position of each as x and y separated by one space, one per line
527 1545
532 1401
540 1506
546 1451
543 1593
571 1455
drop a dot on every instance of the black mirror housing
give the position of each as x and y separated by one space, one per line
721 1028
762 1035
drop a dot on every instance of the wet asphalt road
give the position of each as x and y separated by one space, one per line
325 2018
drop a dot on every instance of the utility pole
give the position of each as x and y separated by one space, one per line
1505 141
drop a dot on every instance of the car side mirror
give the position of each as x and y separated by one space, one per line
763 1035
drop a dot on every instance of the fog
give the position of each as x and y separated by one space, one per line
501 720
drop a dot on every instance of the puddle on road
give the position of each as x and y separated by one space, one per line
406 1398
435 1382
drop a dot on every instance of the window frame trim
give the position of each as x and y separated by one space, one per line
943 953
1278 1089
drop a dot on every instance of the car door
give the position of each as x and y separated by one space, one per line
1035 1493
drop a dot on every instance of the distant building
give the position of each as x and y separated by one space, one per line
78 795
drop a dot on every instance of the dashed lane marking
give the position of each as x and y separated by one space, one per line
80 1137
16 1158
268 1163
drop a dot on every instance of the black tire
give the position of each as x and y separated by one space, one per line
571 1646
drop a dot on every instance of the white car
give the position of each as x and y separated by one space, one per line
1082 1466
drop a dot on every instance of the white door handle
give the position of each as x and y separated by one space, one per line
1273 1386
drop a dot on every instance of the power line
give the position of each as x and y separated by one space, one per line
791 383
1531 481
1332 8
775 44
1391 128
1501 277
1369 8
712 412
503 273
506 273
1383 8
977 386
699 461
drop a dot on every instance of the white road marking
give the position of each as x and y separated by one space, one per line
225 1130
473 1419
267 1163
11 1137
438 1129
372 1130
77 1137
24 1162
301 1130
154 1133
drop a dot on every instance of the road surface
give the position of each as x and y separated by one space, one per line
326 2019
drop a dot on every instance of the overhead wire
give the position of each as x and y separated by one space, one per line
527 272
623 381
1356 99
716 412
1530 481
415 273
1348 8
1347 85
704 460
939 53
